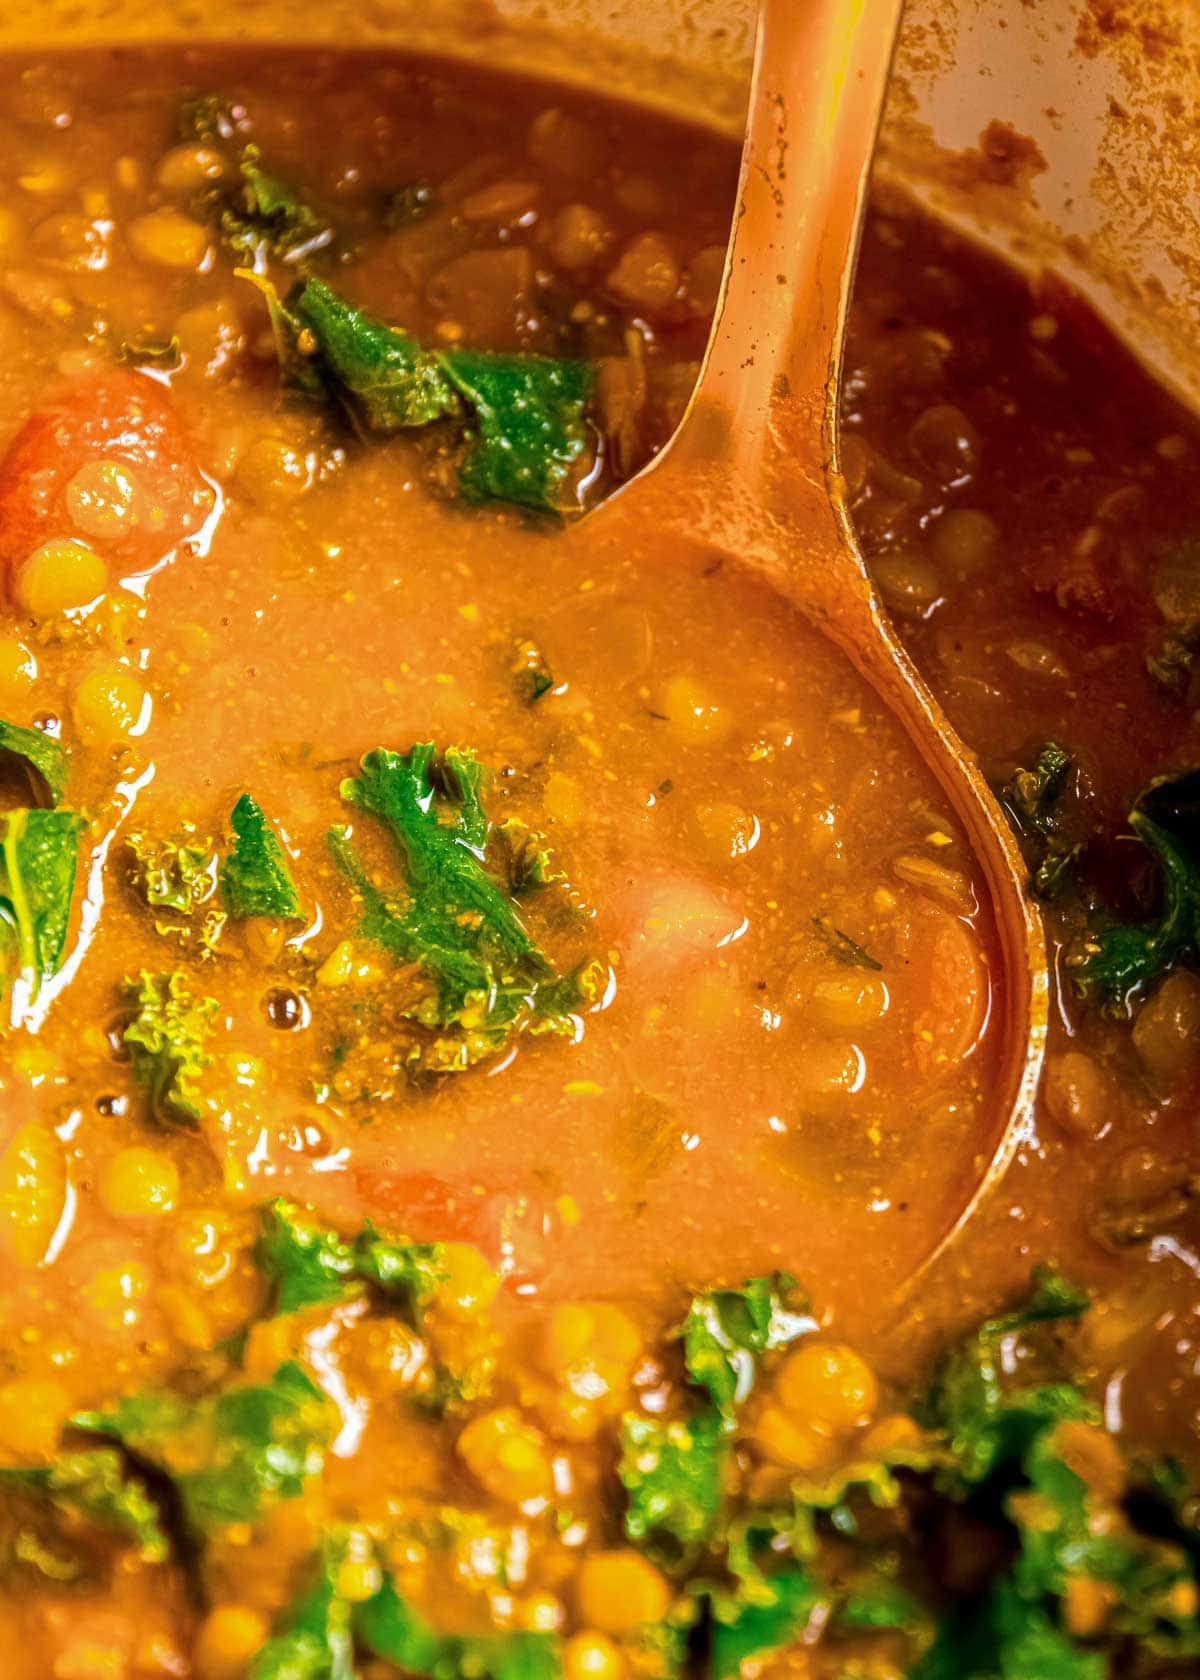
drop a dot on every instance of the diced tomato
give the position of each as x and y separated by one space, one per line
509 1229
947 985
115 417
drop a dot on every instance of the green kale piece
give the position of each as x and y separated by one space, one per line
39 857
674 1471
780 1559
229 1454
260 216
524 857
775 1616
380 375
673 1475
521 418
177 876
878 1605
178 873
1071 1527
989 1419
317 1638
266 216
1030 801
1175 586
166 1042
1021 1446
93 1486
1171 658
209 118
476 974
842 1494
1029 796
40 754
727 1331
312 1642
254 877
295 346
1013 1428
309 1265
1002 1637
388 1627
528 429
1121 960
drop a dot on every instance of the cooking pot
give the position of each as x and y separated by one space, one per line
1064 133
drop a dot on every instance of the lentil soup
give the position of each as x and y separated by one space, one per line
495 1022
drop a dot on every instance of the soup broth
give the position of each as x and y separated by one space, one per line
498 1021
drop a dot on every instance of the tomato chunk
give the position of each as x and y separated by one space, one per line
946 990
509 1229
107 462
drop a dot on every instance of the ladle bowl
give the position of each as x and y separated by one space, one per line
752 472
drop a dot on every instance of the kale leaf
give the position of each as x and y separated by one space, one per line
988 1418
231 1454
1073 1527
309 1265
1171 657
1002 1637
1030 800
179 873
166 1042
727 1331
1027 1445
254 877
672 1472
524 856
1119 961
39 857
752 1627
93 1486
209 118
317 1638
520 418
43 758
312 1642
528 427
258 216
266 217
380 375
475 974
387 1626
177 876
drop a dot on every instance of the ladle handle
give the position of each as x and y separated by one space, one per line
766 392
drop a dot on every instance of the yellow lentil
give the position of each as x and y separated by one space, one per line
61 576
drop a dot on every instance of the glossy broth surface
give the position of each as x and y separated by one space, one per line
777 1060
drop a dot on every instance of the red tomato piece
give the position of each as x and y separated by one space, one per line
946 984
147 496
508 1229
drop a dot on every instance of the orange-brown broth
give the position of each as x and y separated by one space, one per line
711 774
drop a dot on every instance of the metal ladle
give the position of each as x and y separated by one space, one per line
753 469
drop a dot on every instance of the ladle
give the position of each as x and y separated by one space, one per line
753 472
